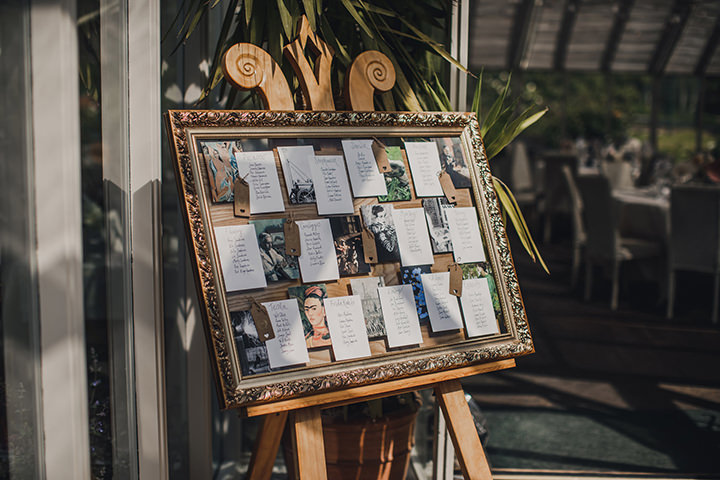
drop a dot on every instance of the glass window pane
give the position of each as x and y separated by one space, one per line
20 394
102 44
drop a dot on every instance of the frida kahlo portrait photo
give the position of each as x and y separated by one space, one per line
310 300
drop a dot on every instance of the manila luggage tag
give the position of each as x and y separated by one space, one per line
241 202
369 248
447 186
456 278
378 149
262 320
292 236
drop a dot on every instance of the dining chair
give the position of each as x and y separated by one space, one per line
694 237
579 234
556 195
522 182
604 243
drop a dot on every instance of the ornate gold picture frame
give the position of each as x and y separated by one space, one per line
205 207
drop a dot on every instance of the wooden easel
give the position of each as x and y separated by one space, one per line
302 416
369 72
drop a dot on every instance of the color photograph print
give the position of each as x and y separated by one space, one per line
396 180
438 224
453 161
378 219
347 235
411 276
253 353
481 270
310 300
221 166
277 265
367 289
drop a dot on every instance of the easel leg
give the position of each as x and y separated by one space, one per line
469 450
309 445
266 446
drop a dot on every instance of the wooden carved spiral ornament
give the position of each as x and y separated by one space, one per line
247 66
369 71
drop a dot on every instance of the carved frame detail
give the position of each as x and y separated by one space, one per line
232 391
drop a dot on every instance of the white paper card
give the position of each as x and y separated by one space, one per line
443 307
288 347
332 190
424 162
366 179
240 257
295 163
347 327
258 168
413 237
400 313
465 235
478 308
318 262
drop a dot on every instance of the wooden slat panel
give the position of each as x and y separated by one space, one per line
590 33
698 30
641 35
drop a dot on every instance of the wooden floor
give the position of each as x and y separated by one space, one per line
647 388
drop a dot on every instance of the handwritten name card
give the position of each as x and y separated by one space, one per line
288 346
443 307
424 162
332 190
258 168
366 179
478 308
347 327
240 257
413 237
318 262
400 313
465 235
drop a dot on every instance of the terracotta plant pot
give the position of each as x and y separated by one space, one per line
366 449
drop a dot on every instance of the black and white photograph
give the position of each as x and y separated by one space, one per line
252 352
437 223
453 161
277 265
367 289
378 219
295 161
347 236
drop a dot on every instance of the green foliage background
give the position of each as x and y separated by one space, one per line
410 32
